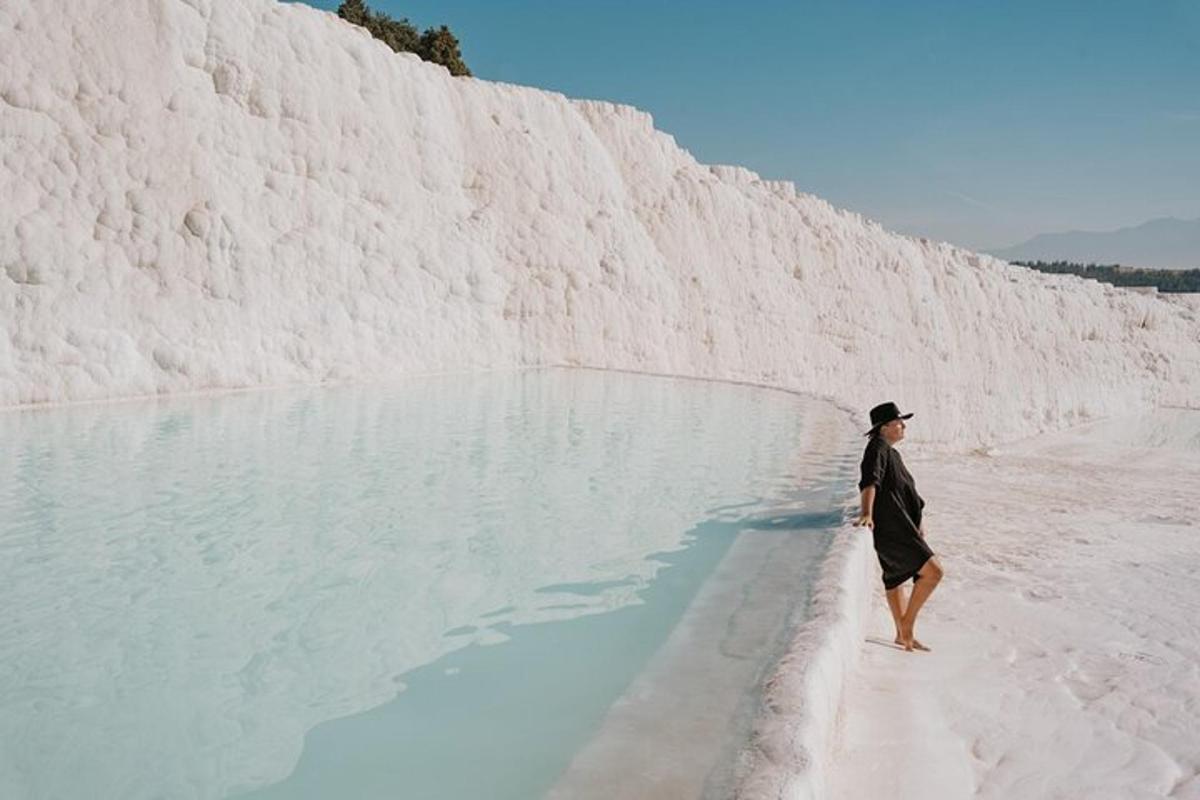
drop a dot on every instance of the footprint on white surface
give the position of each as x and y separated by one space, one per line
1042 593
1144 658
1085 688
1164 519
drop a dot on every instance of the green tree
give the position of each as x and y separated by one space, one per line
438 45
441 47
398 34
354 11
1166 280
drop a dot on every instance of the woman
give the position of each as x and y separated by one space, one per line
891 507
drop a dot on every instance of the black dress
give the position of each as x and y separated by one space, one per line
899 544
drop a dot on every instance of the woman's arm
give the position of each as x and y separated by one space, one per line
867 501
874 465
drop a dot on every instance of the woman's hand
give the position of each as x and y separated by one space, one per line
866 506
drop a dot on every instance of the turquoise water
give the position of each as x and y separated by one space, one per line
446 588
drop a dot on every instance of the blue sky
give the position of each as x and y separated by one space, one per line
982 123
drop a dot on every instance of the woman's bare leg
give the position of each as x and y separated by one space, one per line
927 580
895 600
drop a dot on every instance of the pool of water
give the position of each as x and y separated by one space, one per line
549 583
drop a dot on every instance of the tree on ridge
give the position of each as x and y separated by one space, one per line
441 47
436 45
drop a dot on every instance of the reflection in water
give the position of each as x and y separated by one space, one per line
194 586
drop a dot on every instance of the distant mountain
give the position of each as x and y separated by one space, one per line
1160 243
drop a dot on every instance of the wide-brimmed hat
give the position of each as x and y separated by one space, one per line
884 413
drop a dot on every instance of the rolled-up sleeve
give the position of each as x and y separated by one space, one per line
874 463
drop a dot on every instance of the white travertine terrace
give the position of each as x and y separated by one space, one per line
205 195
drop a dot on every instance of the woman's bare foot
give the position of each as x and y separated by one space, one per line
909 642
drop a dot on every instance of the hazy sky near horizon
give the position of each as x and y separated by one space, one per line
980 123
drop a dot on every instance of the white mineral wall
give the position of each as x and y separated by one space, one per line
227 193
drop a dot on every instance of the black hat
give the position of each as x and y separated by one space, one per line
884 413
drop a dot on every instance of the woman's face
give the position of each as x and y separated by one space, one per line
893 431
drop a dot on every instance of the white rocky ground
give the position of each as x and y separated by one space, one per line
1066 658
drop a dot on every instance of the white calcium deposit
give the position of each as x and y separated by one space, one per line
204 194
